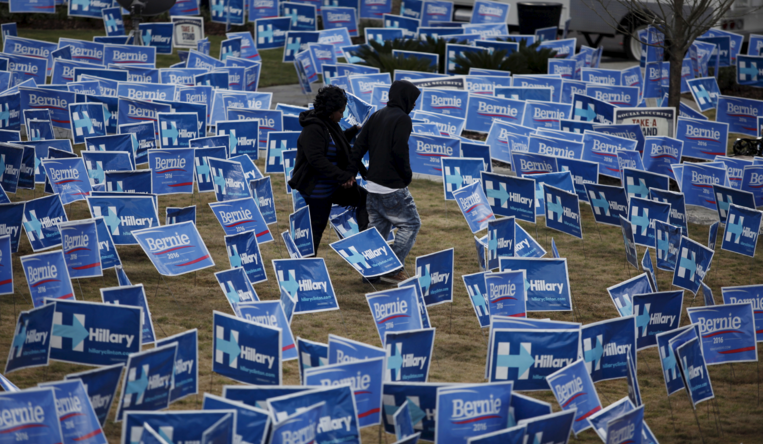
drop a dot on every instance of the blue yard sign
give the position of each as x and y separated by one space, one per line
84 332
455 423
148 380
124 214
172 170
622 293
301 231
506 294
240 215
641 213
243 251
81 248
474 206
656 313
101 386
246 351
135 296
563 211
270 314
395 310
30 346
42 427
368 253
409 355
175 249
519 202
47 277
606 346
547 283
436 276
308 281
694 260
742 228
573 388
513 354
727 332
694 372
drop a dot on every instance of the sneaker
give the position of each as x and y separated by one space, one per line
395 278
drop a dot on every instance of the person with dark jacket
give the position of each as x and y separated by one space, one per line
322 168
385 137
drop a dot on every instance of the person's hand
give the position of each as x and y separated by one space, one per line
349 183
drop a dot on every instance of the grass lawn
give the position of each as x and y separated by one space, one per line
182 303
274 71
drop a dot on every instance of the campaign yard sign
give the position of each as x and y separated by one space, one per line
563 211
6 262
97 162
95 334
421 399
41 218
124 214
435 273
271 314
527 357
243 251
459 171
308 281
342 350
694 372
366 379
416 284
727 332
469 408
606 347
301 231
40 424
574 390
641 213
47 277
368 253
147 382
75 412
501 236
81 248
608 203
310 354
175 249
622 293
135 296
547 283
240 215
172 170
426 151
236 287
30 346
395 310
656 313
101 386
408 355
506 293
694 260
667 240
519 202
68 178
246 351
742 228
473 204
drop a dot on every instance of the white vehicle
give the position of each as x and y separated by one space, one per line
591 23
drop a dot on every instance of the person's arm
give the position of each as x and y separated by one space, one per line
400 153
351 132
358 150
314 141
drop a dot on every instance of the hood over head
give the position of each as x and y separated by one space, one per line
403 95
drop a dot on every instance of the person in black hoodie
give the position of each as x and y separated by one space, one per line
321 171
385 137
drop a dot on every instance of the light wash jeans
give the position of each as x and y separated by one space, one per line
395 209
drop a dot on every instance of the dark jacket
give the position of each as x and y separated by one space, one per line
312 145
385 137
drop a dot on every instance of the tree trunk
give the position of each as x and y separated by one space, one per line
678 46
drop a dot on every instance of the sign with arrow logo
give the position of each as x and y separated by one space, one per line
527 357
101 386
460 171
95 334
546 282
477 291
246 351
409 355
742 229
31 339
368 253
124 214
236 287
656 313
622 293
562 211
606 346
98 162
642 213
694 260
148 380
308 281
510 196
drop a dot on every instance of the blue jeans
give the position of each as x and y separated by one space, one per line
395 209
